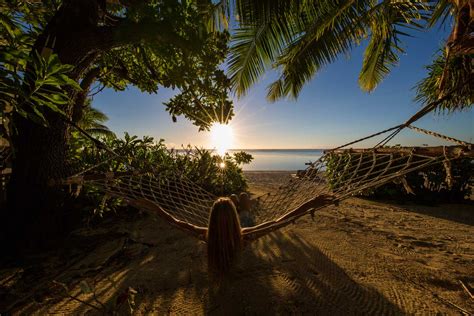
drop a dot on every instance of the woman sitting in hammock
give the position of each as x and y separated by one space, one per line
224 235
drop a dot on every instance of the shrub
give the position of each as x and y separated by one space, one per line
218 175
429 183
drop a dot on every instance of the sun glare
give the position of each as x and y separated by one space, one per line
221 137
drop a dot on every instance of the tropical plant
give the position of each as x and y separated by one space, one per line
92 121
299 38
449 80
216 174
29 91
30 82
430 183
51 48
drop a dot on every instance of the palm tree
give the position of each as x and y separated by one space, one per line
451 77
450 74
299 37
92 121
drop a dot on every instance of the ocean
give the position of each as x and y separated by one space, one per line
280 159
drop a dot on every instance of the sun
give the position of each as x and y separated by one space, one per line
221 137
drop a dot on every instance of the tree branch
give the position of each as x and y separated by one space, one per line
100 39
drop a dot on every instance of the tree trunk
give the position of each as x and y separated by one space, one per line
35 215
40 156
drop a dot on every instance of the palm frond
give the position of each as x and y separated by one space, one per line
100 130
251 12
253 51
386 24
277 90
92 120
448 78
326 32
441 12
216 15
298 38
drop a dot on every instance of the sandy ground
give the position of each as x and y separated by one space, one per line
362 257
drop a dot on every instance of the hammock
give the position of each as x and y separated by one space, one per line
340 173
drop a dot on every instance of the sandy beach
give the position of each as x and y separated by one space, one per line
362 257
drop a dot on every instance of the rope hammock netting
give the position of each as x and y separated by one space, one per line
339 173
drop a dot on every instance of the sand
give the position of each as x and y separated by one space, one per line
362 257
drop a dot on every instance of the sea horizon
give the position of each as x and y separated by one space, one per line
276 149
256 149
280 159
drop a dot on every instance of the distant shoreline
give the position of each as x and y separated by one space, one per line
270 171
266 150
285 149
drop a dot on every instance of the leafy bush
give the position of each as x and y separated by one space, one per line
216 174
428 184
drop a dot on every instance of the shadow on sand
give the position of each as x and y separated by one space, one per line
278 274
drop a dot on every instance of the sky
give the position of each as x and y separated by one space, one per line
330 111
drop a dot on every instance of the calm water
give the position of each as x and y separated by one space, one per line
281 159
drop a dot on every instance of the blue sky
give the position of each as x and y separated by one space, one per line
331 110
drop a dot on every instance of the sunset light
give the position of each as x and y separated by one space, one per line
221 137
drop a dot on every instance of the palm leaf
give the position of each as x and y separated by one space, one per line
381 55
92 120
298 38
326 33
100 130
452 79
253 51
441 12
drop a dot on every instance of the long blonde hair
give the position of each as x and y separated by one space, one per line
224 237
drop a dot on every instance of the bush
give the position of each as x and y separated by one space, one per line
218 175
428 184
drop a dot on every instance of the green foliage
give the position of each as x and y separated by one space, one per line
189 63
33 13
298 38
336 166
169 46
387 24
92 121
442 10
428 184
204 101
448 78
216 174
30 83
43 88
241 157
